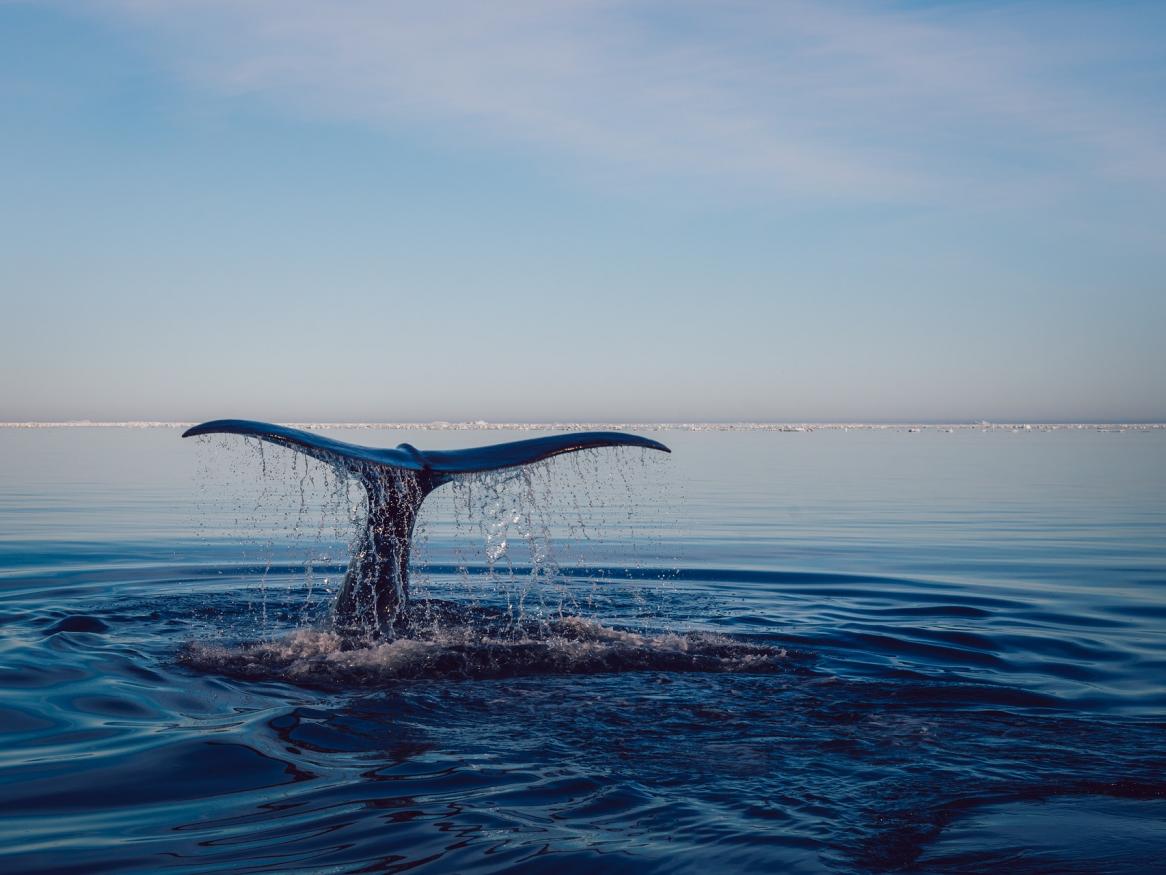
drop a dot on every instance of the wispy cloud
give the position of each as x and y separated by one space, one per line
870 101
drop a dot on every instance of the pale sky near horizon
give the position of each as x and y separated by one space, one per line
784 211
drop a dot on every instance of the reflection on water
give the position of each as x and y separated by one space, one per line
770 652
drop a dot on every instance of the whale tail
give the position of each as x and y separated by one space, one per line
397 480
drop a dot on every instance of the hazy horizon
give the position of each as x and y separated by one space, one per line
485 424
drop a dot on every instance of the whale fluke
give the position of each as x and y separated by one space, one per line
408 458
397 480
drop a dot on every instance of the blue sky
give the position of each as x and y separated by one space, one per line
299 210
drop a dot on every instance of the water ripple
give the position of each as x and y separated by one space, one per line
837 663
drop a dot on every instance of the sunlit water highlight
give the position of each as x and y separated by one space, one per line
858 651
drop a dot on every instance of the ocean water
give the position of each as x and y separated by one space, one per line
825 651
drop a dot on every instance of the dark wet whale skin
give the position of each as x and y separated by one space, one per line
373 602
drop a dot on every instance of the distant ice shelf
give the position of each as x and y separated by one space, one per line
480 425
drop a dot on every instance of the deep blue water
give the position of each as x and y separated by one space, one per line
955 659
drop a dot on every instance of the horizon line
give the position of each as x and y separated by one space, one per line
678 425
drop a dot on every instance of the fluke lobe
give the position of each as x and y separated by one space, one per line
375 593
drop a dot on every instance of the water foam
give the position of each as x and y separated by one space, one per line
472 649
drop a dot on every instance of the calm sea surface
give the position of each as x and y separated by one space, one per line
767 652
